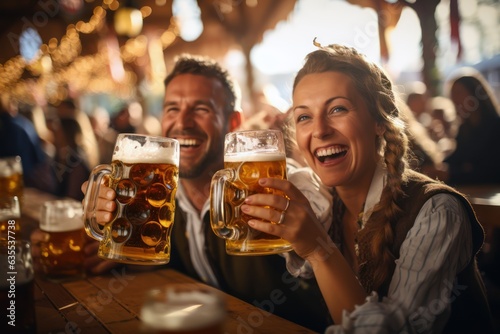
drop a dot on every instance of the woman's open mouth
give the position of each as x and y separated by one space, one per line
331 153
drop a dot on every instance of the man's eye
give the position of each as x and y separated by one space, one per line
170 110
202 110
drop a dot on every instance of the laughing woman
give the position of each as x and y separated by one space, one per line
400 255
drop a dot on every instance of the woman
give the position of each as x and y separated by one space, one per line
472 161
400 254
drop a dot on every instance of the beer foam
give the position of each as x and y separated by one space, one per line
10 166
61 216
254 156
132 151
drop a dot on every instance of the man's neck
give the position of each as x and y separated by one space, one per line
197 190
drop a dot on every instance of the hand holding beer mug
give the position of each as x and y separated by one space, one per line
62 249
144 173
17 287
248 157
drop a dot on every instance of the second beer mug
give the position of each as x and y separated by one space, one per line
144 173
62 248
248 156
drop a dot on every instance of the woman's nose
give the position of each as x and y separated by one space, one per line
321 128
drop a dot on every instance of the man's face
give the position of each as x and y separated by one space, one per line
193 113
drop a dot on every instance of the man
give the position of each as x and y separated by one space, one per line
200 107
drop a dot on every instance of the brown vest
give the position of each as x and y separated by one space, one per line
469 307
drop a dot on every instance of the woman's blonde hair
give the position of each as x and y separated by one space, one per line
376 88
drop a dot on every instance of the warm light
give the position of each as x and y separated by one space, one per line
128 21
188 16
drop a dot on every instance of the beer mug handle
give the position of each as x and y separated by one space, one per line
217 204
90 201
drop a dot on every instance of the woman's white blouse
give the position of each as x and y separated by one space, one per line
422 289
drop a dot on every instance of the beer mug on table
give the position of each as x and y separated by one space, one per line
248 157
17 287
62 248
144 173
11 177
10 216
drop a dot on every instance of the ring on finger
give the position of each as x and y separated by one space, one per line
282 217
287 204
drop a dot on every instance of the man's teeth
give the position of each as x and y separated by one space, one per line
187 142
324 152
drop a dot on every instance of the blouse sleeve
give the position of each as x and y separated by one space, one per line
438 246
321 202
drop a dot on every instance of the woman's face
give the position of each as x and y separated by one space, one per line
334 130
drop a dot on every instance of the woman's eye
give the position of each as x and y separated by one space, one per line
302 118
337 109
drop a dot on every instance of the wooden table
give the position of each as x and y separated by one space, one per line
111 304
485 200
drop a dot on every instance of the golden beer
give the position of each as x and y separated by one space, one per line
247 176
249 156
145 196
144 173
62 248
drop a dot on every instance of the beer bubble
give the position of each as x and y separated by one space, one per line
142 174
248 173
166 215
156 194
137 212
125 191
162 247
120 230
236 193
151 233
117 170
170 177
276 171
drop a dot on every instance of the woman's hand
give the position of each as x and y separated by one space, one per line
295 220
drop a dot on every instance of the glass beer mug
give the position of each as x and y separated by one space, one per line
144 173
248 156
62 248
11 177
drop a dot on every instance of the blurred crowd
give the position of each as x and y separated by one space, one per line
451 135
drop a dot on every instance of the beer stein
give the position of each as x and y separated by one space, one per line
62 248
17 287
248 157
183 308
10 215
11 177
144 173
